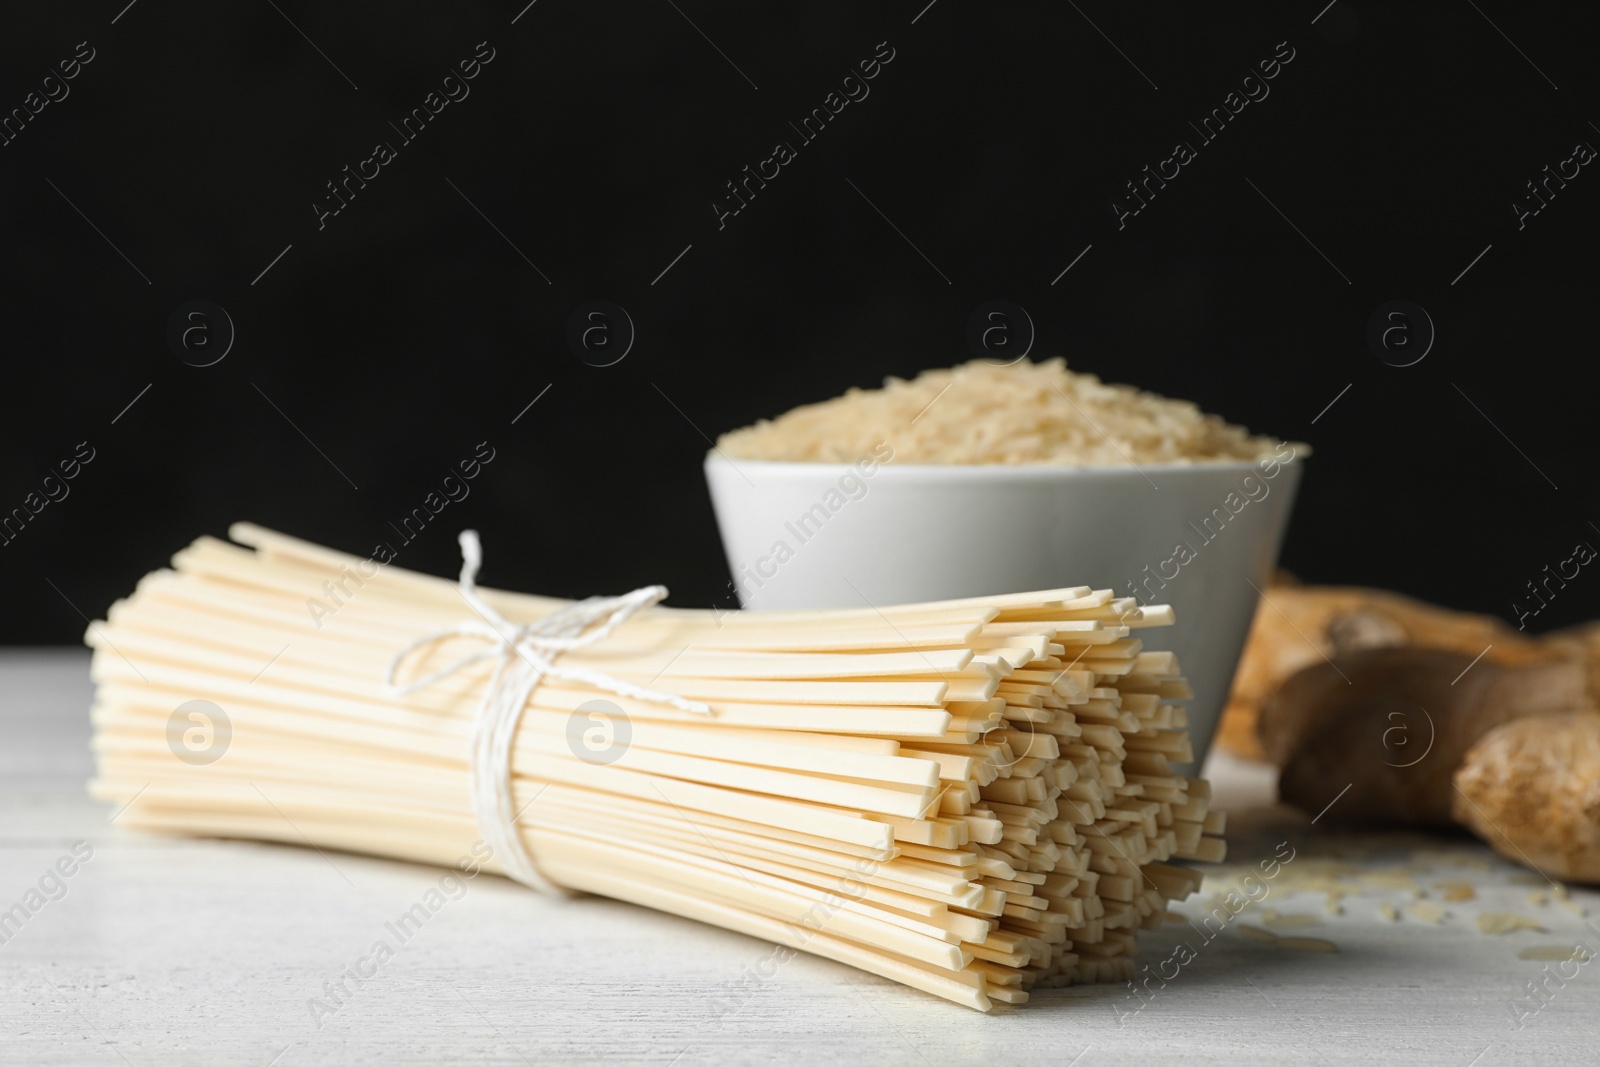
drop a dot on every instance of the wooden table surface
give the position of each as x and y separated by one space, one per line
171 951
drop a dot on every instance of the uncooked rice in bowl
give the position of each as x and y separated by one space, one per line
982 413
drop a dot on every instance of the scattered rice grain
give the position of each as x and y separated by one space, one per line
1426 911
1504 922
1555 952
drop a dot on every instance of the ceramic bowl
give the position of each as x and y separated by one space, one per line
1202 537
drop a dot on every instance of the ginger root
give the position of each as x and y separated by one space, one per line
1298 626
1426 737
1531 788
1394 724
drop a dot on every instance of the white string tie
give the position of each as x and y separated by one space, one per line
525 655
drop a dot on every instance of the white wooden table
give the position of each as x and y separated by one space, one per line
207 952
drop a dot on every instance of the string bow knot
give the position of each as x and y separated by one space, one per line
525 654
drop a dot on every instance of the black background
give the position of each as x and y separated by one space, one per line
408 329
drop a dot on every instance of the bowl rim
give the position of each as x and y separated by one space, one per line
997 471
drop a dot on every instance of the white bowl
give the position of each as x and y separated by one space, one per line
818 535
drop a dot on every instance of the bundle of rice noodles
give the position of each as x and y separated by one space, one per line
971 797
